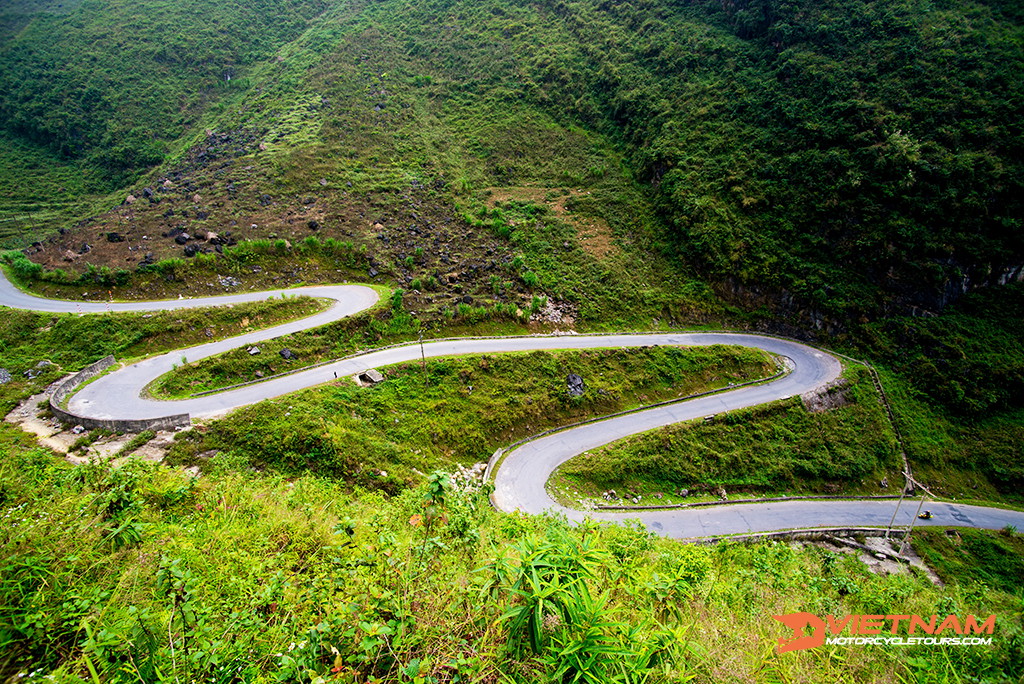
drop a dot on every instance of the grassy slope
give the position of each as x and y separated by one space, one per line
145 573
954 381
460 113
460 411
73 341
779 448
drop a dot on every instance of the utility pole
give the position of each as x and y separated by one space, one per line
899 503
906 538
423 362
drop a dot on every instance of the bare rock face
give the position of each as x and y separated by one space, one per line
829 397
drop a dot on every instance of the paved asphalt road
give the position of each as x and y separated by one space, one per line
519 482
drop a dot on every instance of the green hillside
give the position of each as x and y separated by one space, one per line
831 158
847 173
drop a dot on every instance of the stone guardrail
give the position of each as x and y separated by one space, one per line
67 387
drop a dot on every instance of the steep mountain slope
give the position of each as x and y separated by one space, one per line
831 158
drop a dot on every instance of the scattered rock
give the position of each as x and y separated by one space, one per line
115 237
130 199
78 429
5 376
370 377
287 354
722 495
191 250
69 255
574 383
85 248
265 200
228 281
182 238
254 350
259 374
313 224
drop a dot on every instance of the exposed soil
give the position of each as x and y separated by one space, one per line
52 434
878 556
48 431
595 234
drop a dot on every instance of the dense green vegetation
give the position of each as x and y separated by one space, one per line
143 573
955 384
780 447
968 360
966 556
858 156
456 410
117 84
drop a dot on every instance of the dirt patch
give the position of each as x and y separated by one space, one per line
880 556
156 448
831 396
560 314
595 234
52 434
48 431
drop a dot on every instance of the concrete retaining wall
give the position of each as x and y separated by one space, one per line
68 387
809 534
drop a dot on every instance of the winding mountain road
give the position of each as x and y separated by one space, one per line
520 479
